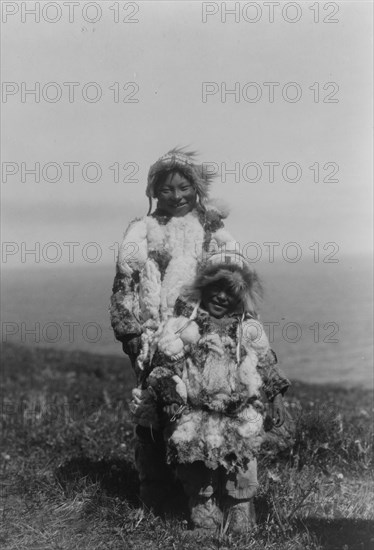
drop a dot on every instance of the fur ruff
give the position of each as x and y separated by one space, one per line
243 282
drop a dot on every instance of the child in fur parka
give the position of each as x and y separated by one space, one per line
159 254
215 362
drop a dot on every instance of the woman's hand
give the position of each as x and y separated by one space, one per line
132 346
277 411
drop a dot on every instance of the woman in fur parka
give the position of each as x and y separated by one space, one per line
216 363
160 253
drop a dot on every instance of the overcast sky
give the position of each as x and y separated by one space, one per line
168 54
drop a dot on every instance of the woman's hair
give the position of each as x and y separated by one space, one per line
184 163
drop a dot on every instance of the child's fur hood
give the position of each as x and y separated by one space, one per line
242 281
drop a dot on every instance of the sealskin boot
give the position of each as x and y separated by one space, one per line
240 514
205 513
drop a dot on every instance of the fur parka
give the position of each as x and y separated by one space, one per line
158 256
219 385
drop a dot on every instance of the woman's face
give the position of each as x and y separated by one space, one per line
175 195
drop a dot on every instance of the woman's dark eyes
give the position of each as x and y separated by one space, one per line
165 191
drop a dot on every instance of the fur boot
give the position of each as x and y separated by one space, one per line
240 514
205 514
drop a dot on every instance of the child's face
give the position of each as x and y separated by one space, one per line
176 196
218 300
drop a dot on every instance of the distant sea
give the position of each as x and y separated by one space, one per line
319 316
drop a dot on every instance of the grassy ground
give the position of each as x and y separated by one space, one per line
68 480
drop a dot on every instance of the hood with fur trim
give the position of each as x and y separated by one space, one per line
184 162
243 282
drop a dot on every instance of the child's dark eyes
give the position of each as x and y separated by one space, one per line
213 289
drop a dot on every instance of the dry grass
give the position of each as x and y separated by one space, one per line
68 480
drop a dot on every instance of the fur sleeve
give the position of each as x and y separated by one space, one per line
124 306
274 381
254 336
133 251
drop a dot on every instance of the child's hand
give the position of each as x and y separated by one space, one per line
277 411
132 346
